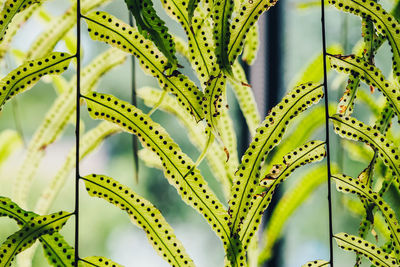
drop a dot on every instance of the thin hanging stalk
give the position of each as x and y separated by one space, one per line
328 156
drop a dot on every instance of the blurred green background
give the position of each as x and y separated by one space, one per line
107 231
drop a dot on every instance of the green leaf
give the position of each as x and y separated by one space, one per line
26 75
353 129
384 23
310 152
347 184
10 9
193 4
316 263
106 28
160 234
371 251
152 27
287 205
58 116
32 230
251 45
268 135
97 261
246 99
248 15
369 74
221 14
57 250
179 169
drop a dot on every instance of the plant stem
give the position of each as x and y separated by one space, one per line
328 154
77 128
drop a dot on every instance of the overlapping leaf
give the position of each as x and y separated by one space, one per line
307 153
106 28
32 230
57 250
179 169
152 27
143 214
29 73
221 14
268 135
196 133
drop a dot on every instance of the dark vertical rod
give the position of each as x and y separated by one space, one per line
135 146
77 128
274 88
328 154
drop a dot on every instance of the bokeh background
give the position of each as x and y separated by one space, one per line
107 231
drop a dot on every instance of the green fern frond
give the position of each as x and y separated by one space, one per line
310 122
179 169
29 73
384 23
347 184
371 251
244 20
268 135
353 129
160 234
310 152
199 35
369 74
104 27
32 230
